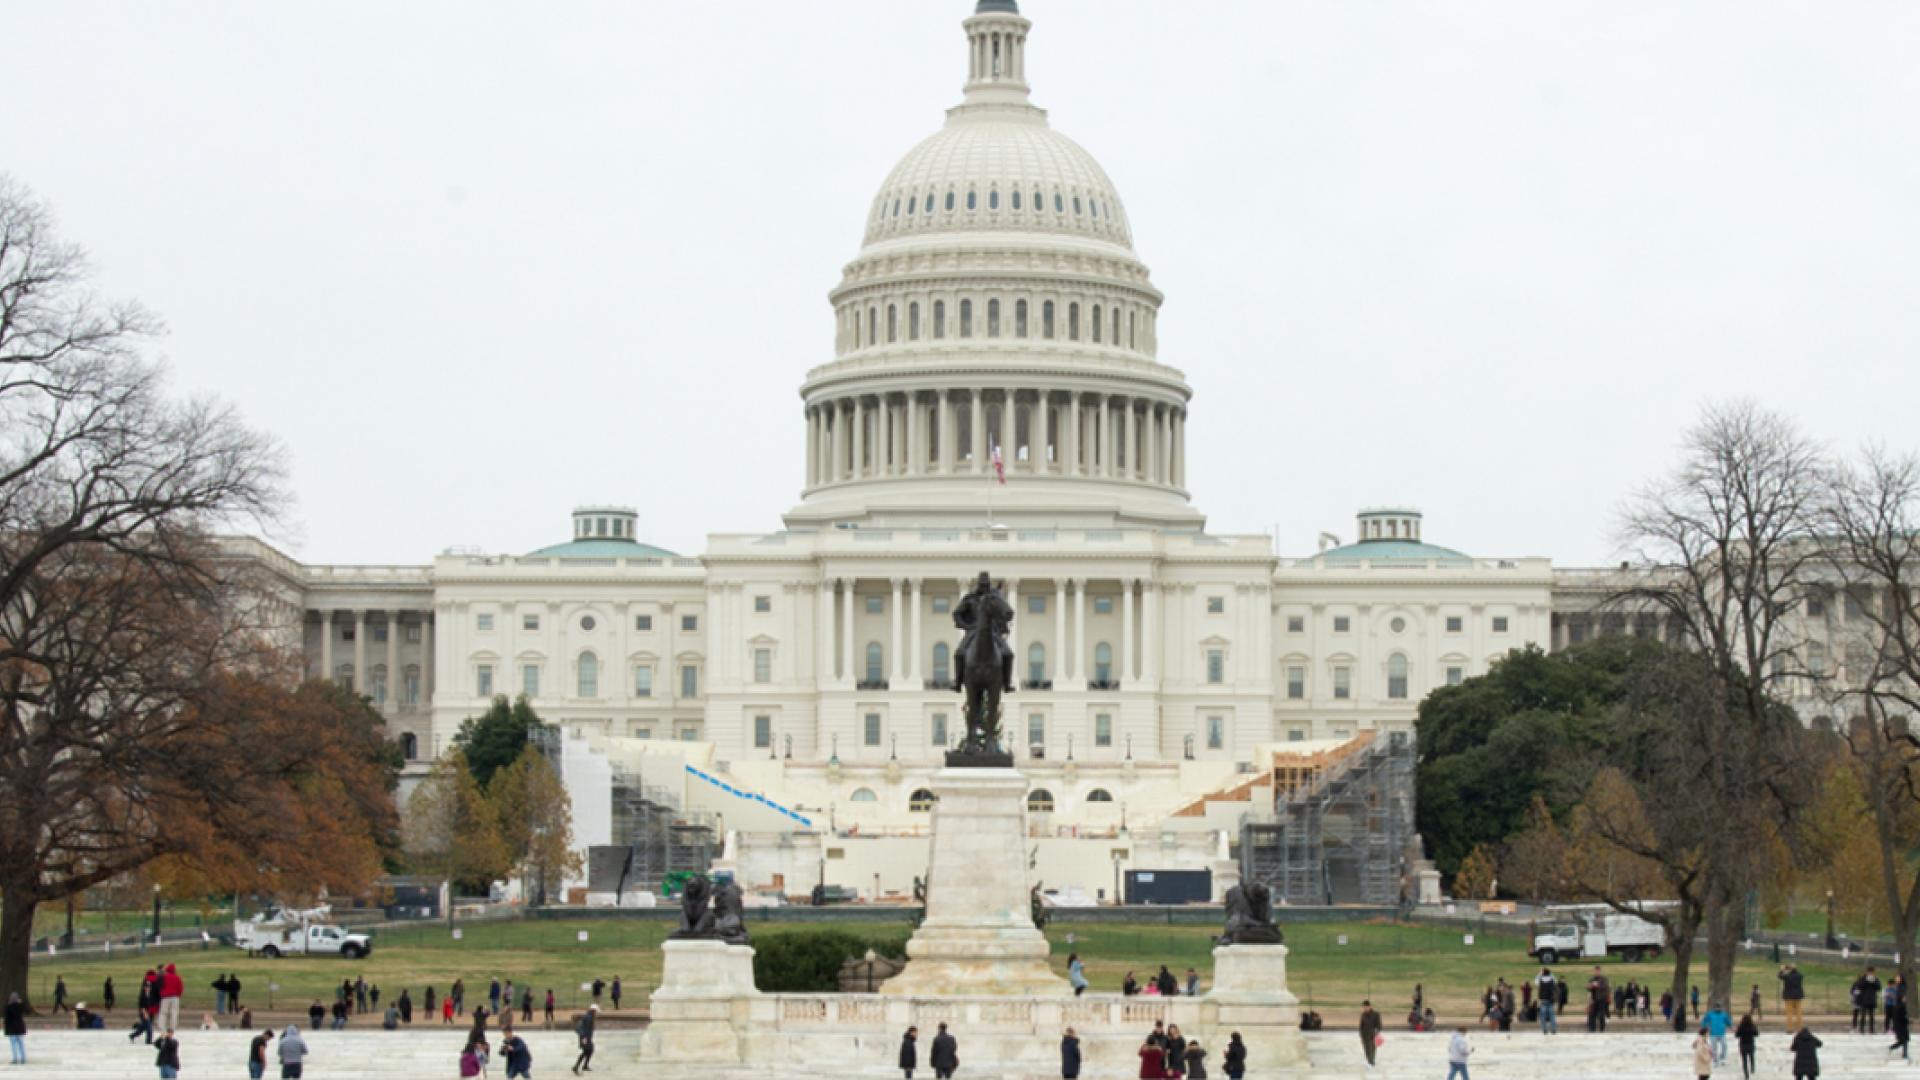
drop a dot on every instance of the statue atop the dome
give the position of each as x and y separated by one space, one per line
986 672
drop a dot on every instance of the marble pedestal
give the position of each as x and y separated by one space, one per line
1250 996
978 936
703 1004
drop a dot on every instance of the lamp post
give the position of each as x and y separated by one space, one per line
1833 942
156 913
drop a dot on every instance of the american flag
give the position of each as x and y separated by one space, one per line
999 466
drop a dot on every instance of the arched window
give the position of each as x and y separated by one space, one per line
410 687
949 200
1397 676
874 665
896 206
377 686
993 318
863 795
939 318
344 675
589 675
1037 662
1040 801
1059 204
1016 199
921 801
913 321
973 200
1019 318
873 326
1103 662
1099 794
1076 204
993 199
410 746
1073 322
912 201
966 318
1130 336
1116 326
1096 324
941 664
1046 320
893 323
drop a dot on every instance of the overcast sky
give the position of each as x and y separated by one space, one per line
479 263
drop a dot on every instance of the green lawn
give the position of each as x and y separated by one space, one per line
1379 960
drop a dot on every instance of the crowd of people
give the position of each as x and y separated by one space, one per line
1163 984
1165 1055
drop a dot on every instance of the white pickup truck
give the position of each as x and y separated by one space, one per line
1590 932
279 938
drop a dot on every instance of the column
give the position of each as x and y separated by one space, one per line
1043 420
427 661
393 659
859 438
1166 446
326 644
943 435
839 435
671 661
823 638
916 457
1079 626
1149 637
1133 442
1179 450
1070 449
360 651
1013 628
914 618
1127 671
1153 443
813 449
847 666
978 432
1060 631
899 671
883 437
1007 428
1102 457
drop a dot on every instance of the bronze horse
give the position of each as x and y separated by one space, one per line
985 613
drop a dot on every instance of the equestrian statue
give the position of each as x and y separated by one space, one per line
986 673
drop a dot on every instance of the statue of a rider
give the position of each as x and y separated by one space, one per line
985 609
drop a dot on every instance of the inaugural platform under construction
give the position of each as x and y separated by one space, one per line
1339 828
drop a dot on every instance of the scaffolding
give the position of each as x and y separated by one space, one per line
1341 828
662 838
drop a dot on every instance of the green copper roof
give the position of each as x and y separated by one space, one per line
602 548
1006 7
1393 551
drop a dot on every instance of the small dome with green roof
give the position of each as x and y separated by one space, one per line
606 532
1392 535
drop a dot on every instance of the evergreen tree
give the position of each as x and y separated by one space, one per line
492 740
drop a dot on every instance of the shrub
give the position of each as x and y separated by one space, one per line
808 961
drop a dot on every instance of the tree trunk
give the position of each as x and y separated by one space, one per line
16 942
1726 921
1680 940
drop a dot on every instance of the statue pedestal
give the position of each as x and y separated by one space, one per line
978 936
1251 996
701 1008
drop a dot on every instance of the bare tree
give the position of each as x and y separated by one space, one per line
1727 554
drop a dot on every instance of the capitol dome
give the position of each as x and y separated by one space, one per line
996 323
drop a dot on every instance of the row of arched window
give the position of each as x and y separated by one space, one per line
942 670
1039 800
906 208
1123 325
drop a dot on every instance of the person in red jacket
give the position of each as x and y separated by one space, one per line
1153 1061
171 987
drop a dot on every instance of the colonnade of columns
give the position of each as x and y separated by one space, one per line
394 689
955 432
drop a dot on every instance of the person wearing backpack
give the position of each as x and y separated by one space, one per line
583 1028
519 1057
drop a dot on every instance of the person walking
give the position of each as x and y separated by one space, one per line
168 1056
1745 1037
584 1031
1234 1061
293 1053
16 1025
946 1054
360 994
1369 1032
1549 1002
526 1004
1458 1051
1599 998
1176 1045
1702 1055
60 994
615 991
599 987
405 1001
493 995
1070 1056
1806 1055
448 1006
1753 1002
1718 1023
1866 1002
519 1058
549 1008
171 988
1793 994
219 985
1897 1023
233 992
1076 974
257 1054
457 994
106 993
910 1052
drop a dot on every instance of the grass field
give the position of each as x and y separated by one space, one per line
1381 961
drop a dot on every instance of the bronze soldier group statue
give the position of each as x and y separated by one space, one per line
1250 916
986 673
712 912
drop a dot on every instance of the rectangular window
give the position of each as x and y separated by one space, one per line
346 633
1342 683
762 604
1499 624
1455 676
1296 735
413 634
763 733
482 623
689 734
1036 729
643 682
763 665
483 680
689 623
1216 666
1103 605
1296 624
1855 609
1102 729
1216 732
1453 624
530 680
1216 605
529 622
1296 683
641 731
380 633
876 605
1036 605
643 623
940 729
689 681
942 605
1816 606
871 734
1341 624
